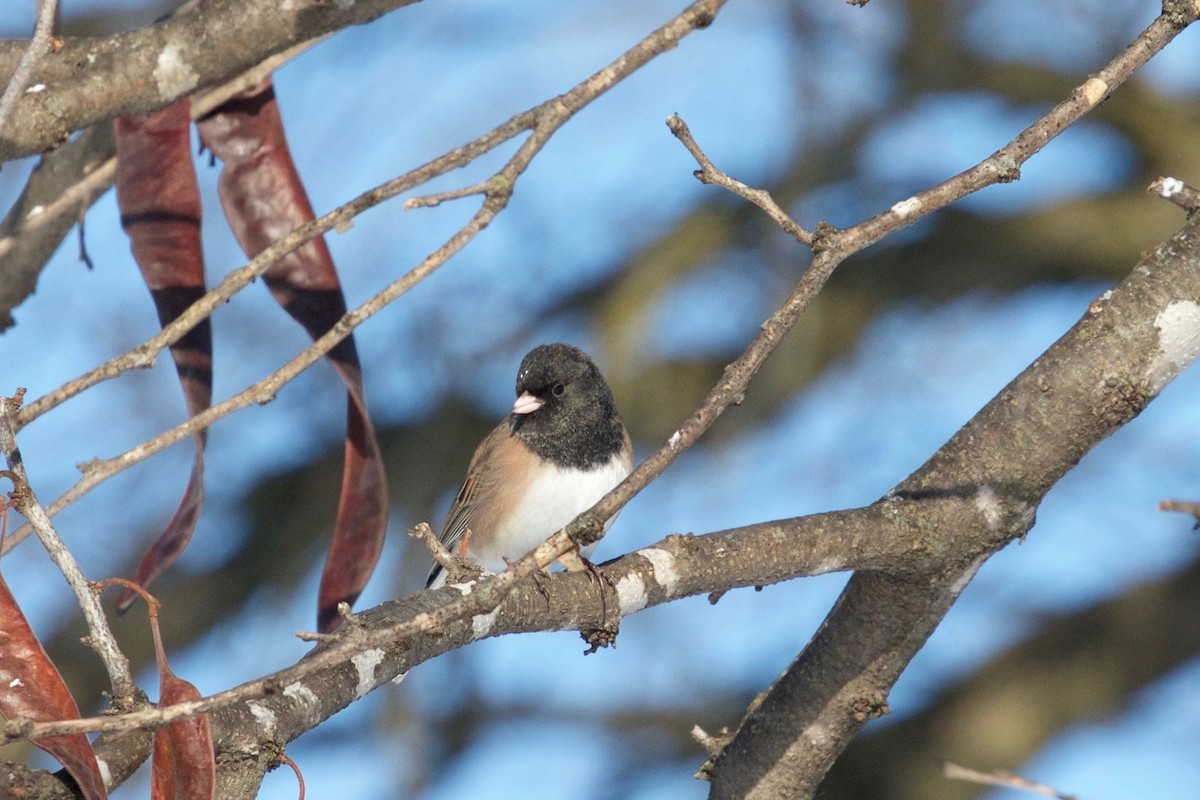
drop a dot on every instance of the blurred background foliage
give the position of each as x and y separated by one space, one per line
1073 657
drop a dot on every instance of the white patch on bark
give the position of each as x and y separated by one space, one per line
906 208
365 664
664 568
1171 187
988 504
105 772
481 624
965 578
173 75
301 694
264 715
1094 91
827 565
1178 343
631 594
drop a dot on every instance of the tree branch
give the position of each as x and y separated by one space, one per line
125 691
38 47
66 183
1131 342
1000 778
1038 677
91 80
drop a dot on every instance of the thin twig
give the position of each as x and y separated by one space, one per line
423 533
101 639
97 471
1003 166
1181 194
39 45
1184 506
710 174
1002 778
541 120
437 198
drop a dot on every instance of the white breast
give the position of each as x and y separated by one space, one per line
555 498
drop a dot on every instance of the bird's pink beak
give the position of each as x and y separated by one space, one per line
527 403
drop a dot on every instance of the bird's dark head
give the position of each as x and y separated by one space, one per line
561 394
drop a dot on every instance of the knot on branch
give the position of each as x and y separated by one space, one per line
824 237
1122 400
586 529
1008 169
1181 13
865 709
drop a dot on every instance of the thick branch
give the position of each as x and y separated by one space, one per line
91 80
1049 681
1131 342
38 46
66 183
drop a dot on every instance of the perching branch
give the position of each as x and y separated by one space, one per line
541 121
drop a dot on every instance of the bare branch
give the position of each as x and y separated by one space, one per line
39 46
437 198
423 533
1001 778
1184 506
92 80
750 555
709 173
1004 165
1181 194
69 180
769 756
101 638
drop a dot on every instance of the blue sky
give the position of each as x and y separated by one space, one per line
377 100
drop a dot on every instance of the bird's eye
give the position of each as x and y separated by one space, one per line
558 389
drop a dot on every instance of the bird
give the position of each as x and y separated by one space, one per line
561 448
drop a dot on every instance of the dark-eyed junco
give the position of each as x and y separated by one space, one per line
561 449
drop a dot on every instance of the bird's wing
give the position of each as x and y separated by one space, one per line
470 495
